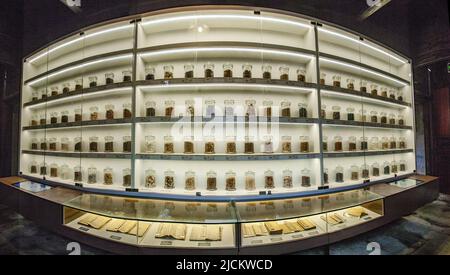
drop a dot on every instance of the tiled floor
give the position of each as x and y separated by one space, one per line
425 232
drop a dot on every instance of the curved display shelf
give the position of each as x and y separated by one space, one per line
339 123
79 154
366 153
223 157
231 119
90 123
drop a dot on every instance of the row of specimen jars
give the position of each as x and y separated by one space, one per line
374 143
209 147
268 108
94 114
364 171
65 145
65 172
77 85
227 71
373 117
373 88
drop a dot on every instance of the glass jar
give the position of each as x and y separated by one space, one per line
34 144
323 112
79 84
43 94
42 119
306 177
374 89
251 109
399 95
364 143
227 70
386 168
126 76
109 108
150 73
352 143
269 181
401 120
168 145
393 143
354 172
323 77
52 144
391 94
108 176
211 180
209 70
250 182
77 144
230 181
402 143
109 78
304 144
169 108
365 171
65 172
337 81
54 118
34 120
302 110
374 117
267 107
284 73
66 88
391 119
210 108
374 143
168 71
384 92
301 74
169 179
150 109
190 107
150 178
94 112
339 171
350 114
363 86
267 71
376 169
54 170
336 112
325 176
286 144
64 116
285 108
127 112
77 115
384 143
325 143
92 81
43 169
189 180
92 175
229 107
249 146
210 145
189 71
54 91
383 118
126 144
109 144
268 145
287 179
338 144
93 144
231 144
34 96
350 83
402 166
150 144
188 144
126 173
394 167
247 71
77 174
43 145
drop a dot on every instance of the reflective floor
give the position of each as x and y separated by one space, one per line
425 232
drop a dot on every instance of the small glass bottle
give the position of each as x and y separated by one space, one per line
352 143
402 166
231 144
374 143
77 115
54 170
169 108
126 144
337 81
384 92
92 175
43 169
227 70
384 143
394 167
77 141
94 112
127 111
302 110
92 81
188 144
34 144
338 144
402 143
306 177
268 145
64 116
323 111
392 94
150 144
339 174
66 88
269 181
109 108
386 168
34 120
304 144
209 70
189 180
109 78
363 115
336 112
150 73
286 144
284 73
190 107
325 143
229 107
374 117
249 146
43 94
247 71
93 144
230 181
267 107
54 118
267 71
399 95
250 182
77 174
323 77
210 145
211 181
54 91
169 179
168 72
350 83
251 109
351 114
383 118
79 84
126 173
364 143
374 89
150 109
391 119
365 171
401 120
325 176
52 144
42 119
108 176
287 179
34 96
189 71
210 108
354 172
363 86
43 144
126 76
285 108
376 169
301 74
150 178
168 145
392 143
109 144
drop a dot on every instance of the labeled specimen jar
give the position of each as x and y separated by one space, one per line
391 119
227 70
374 116
338 144
284 73
325 143
287 179
268 144
93 144
374 89
92 175
231 144
323 77
150 144
285 108
209 70
169 108
109 108
247 71
126 144
109 78
250 183
34 120
43 145
364 143
168 72
229 107
251 109
34 144
363 86
365 171
77 144
306 177
109 144
402 166
169 179
392 94
54 170
374 143
269 181
189 71
402 143
336 112
52 144
150 108
350 114
34 96
64 116
394 167
230 181
211 181
267 107
43 94
108 176
249 146
401 120
77 174
127 112
384 92
339 174
302 110
54 117
54 91
150 73
354 172
210 145
168 145
383 118
375 169
188 144
352 143
363 115
301 75
66 88
126 76
43 169
150 178
77 115
94 112
286 144
92 81
78 84
190 107
392 143
126 173
384 143
386 168
210 105
189 180
304 144
399 95
336 80
350 83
